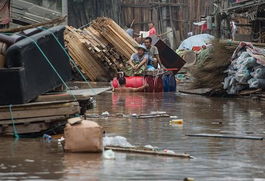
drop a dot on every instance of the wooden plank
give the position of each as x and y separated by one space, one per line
30 128
34 9
33 120
71 108
148 152
226 136
80 94
37 105
50 22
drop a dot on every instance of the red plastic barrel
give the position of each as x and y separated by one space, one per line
155 83
134 82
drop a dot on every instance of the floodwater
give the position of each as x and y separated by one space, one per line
215 159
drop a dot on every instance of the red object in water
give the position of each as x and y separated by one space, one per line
134 82
155 83
150 81
158 84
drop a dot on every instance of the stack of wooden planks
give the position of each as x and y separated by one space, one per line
35 117
100 50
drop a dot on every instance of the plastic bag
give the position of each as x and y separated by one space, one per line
116 141
259 73
253 83
256 83
250 62
234 89
242 76
244 55
227 82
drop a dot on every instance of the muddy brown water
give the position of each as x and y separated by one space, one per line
215 159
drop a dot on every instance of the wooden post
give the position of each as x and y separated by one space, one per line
218 25
65 10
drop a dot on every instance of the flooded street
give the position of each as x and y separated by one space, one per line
215 158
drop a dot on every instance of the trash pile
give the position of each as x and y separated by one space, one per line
211 62
247 69
101 49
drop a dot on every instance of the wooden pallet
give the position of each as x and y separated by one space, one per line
36 117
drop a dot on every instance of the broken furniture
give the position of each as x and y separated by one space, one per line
36 118
32 66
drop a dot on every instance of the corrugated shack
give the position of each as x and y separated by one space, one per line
248 16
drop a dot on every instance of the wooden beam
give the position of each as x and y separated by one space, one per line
40 111
33 120
22 28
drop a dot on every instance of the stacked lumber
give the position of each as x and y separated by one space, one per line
35 117
100 50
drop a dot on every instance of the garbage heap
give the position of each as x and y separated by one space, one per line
247 69
100 50
208 69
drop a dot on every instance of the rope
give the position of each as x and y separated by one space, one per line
88 24
70 58
53 68
13 122
51 65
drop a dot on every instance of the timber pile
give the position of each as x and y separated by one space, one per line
100 50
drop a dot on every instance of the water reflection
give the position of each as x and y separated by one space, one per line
216 159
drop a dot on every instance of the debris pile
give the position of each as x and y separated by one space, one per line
208 72
100 50
247 69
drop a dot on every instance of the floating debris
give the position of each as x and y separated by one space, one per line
141 150
28 160
226 136
116 141
133 115
176 122
109 154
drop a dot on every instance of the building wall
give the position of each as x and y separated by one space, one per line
175 15
168 15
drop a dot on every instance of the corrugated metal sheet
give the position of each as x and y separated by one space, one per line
27 13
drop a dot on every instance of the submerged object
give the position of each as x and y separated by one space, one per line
109 154
84 137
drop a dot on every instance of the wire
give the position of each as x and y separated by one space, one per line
13 122
67 54
51 65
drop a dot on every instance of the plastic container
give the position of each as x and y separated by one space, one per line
169 83
176 122
155 83
134 82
